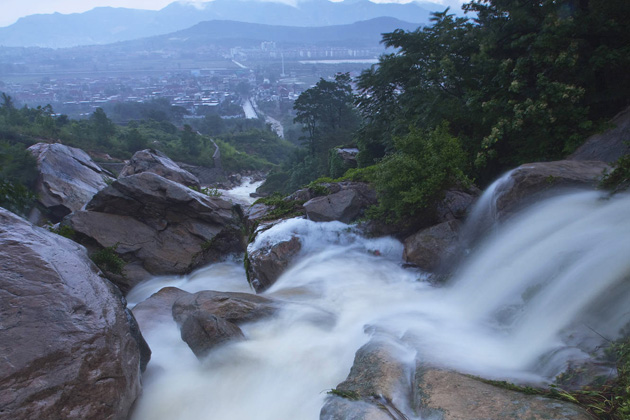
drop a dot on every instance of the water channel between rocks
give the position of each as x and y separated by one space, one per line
552 278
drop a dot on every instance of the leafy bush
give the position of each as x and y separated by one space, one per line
108 260
619 178
16 197
413 177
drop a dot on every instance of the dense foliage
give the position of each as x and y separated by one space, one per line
523 81
414 176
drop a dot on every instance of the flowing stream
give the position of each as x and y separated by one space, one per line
536 293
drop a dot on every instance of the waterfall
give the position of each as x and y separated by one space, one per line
533 295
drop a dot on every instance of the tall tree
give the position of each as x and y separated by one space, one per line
326 113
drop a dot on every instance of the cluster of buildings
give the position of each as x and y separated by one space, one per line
200 80
197 91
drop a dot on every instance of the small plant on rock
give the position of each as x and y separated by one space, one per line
108 260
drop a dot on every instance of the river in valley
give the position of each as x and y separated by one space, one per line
538 291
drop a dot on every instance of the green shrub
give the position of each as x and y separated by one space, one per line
108 260
15 197
65 231
619 178
412 178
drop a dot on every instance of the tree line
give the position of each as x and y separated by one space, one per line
466 98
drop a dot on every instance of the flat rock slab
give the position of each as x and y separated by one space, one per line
68 346
445 395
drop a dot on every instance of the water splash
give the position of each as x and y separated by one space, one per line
516 310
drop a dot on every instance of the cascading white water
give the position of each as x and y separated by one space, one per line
241 193
512 311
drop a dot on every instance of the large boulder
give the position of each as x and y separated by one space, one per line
266 263
456 203
154 161
344 205
609 145
203 332
532 181
428 247
157 226
68 178
232 306
210 318
377 387
157 310
68 345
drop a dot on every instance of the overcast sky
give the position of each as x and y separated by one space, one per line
14 9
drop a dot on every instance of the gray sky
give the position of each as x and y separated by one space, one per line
14 9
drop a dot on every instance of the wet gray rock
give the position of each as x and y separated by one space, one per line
265 264
456 203
69 348
68 178
377 387
386 382
448 395
428 247
609 145
344 205
232 306
534 181
209 319
154 161
204 332
158 227
157 310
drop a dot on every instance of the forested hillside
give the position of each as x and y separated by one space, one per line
244 144
467 98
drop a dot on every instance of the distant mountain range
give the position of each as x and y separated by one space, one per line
105 25
231 33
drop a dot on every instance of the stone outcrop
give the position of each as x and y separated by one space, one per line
209 319
346 202
157 226
534 181
156 162
68 178
265 264
385 383
609 145
427 248
70 350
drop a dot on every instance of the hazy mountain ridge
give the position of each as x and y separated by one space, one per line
107 25
359 34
